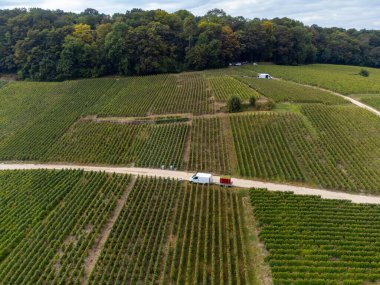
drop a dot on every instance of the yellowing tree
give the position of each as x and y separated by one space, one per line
83 32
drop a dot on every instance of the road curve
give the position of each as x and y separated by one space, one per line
244 183
352 100
359 104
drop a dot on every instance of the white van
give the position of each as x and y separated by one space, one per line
264 75
201 178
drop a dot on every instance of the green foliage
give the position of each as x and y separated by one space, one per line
38 128
252 101
74 211
284 91
225 86
160 94
262 149
336 146
345 150
266 104
37 192
165 145
316 240
2 83
210 148
373 100
54 45
234 104
338 78
270 104
146 145
206 242
364 72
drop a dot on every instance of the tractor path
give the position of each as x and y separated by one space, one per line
243 183
352 100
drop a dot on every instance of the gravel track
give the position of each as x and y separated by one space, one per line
243 183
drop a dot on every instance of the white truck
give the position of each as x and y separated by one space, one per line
264 75
201 178
206 178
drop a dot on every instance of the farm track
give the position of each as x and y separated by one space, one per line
148 119
352 100
243 183
94 252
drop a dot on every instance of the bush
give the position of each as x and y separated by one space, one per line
252 101
234 104
270 104
265 105
364 72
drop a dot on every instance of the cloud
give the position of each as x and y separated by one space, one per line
326 13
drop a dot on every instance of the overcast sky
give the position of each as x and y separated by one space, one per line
326 13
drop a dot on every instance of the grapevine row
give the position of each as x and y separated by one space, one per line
110 143
285 91
54 250
225 86
209 147
316 241
262 148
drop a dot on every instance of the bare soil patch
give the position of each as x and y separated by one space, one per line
94 252
262 273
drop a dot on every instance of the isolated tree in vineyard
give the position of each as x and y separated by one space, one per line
234 104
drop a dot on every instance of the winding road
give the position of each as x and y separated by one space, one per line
352 100
243 183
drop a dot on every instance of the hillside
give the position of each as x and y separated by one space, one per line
98 227
311 136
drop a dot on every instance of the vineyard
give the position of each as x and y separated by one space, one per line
26 198
371 100
338 78
262 148
110 143
158 94
37 115
53 248
180 235
333 147
225 86
38 128
164 146
210 146
22 102
285 91
316 241
76 227
347 147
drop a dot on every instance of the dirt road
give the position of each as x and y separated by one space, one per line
352 100
244 183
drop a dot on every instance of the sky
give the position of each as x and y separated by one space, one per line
359 14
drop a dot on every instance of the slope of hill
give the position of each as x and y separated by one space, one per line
97 227
330 145
339 78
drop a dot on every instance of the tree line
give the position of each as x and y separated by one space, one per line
51 45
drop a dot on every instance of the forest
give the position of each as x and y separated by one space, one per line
46 45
